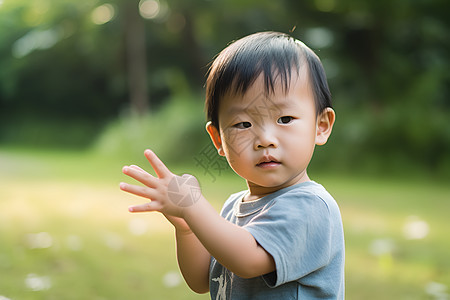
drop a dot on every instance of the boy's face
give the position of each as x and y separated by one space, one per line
269 139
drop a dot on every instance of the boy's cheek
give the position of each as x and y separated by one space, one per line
236 142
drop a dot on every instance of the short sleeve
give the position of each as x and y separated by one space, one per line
295 229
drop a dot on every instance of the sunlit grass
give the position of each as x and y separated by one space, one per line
396 233
75 239
91 246
65 232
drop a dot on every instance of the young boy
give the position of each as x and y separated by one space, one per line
268 105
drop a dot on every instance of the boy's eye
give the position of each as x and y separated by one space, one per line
243 125
285 120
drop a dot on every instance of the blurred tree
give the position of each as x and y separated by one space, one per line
136 57
77 62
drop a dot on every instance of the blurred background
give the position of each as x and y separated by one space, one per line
87 86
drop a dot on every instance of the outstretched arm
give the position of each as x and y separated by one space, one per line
234 247
193 259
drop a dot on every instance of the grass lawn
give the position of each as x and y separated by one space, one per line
65 232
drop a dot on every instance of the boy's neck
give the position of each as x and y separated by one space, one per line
256 192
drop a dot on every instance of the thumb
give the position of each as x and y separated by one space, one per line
160 168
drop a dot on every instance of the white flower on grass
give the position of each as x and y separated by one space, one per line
171 279
3 297
437 290
37 283
415 228
113 241
138 226
380 247
39 240
74 242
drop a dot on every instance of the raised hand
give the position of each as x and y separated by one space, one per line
168 193
200 231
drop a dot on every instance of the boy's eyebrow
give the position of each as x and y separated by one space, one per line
264 104
237 109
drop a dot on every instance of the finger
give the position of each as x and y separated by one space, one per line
150 206
138 190
159 167
138 168
141 176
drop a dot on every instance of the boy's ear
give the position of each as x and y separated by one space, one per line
324 125
215 137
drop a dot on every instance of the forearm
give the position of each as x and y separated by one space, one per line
232 246
193 260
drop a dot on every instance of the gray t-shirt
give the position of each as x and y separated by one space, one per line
301 227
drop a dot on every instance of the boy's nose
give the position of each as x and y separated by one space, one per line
265 139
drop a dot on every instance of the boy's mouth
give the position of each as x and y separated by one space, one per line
268 162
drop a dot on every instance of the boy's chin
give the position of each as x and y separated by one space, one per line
268 184
275 182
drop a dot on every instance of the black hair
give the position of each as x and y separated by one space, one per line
273 54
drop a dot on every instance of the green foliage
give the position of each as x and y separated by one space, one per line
176 133
63 77
57 132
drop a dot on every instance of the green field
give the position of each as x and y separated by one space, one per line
65 232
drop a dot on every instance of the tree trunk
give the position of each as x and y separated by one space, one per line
136 60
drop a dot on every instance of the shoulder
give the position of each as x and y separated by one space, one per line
305 200
303 194
311 191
